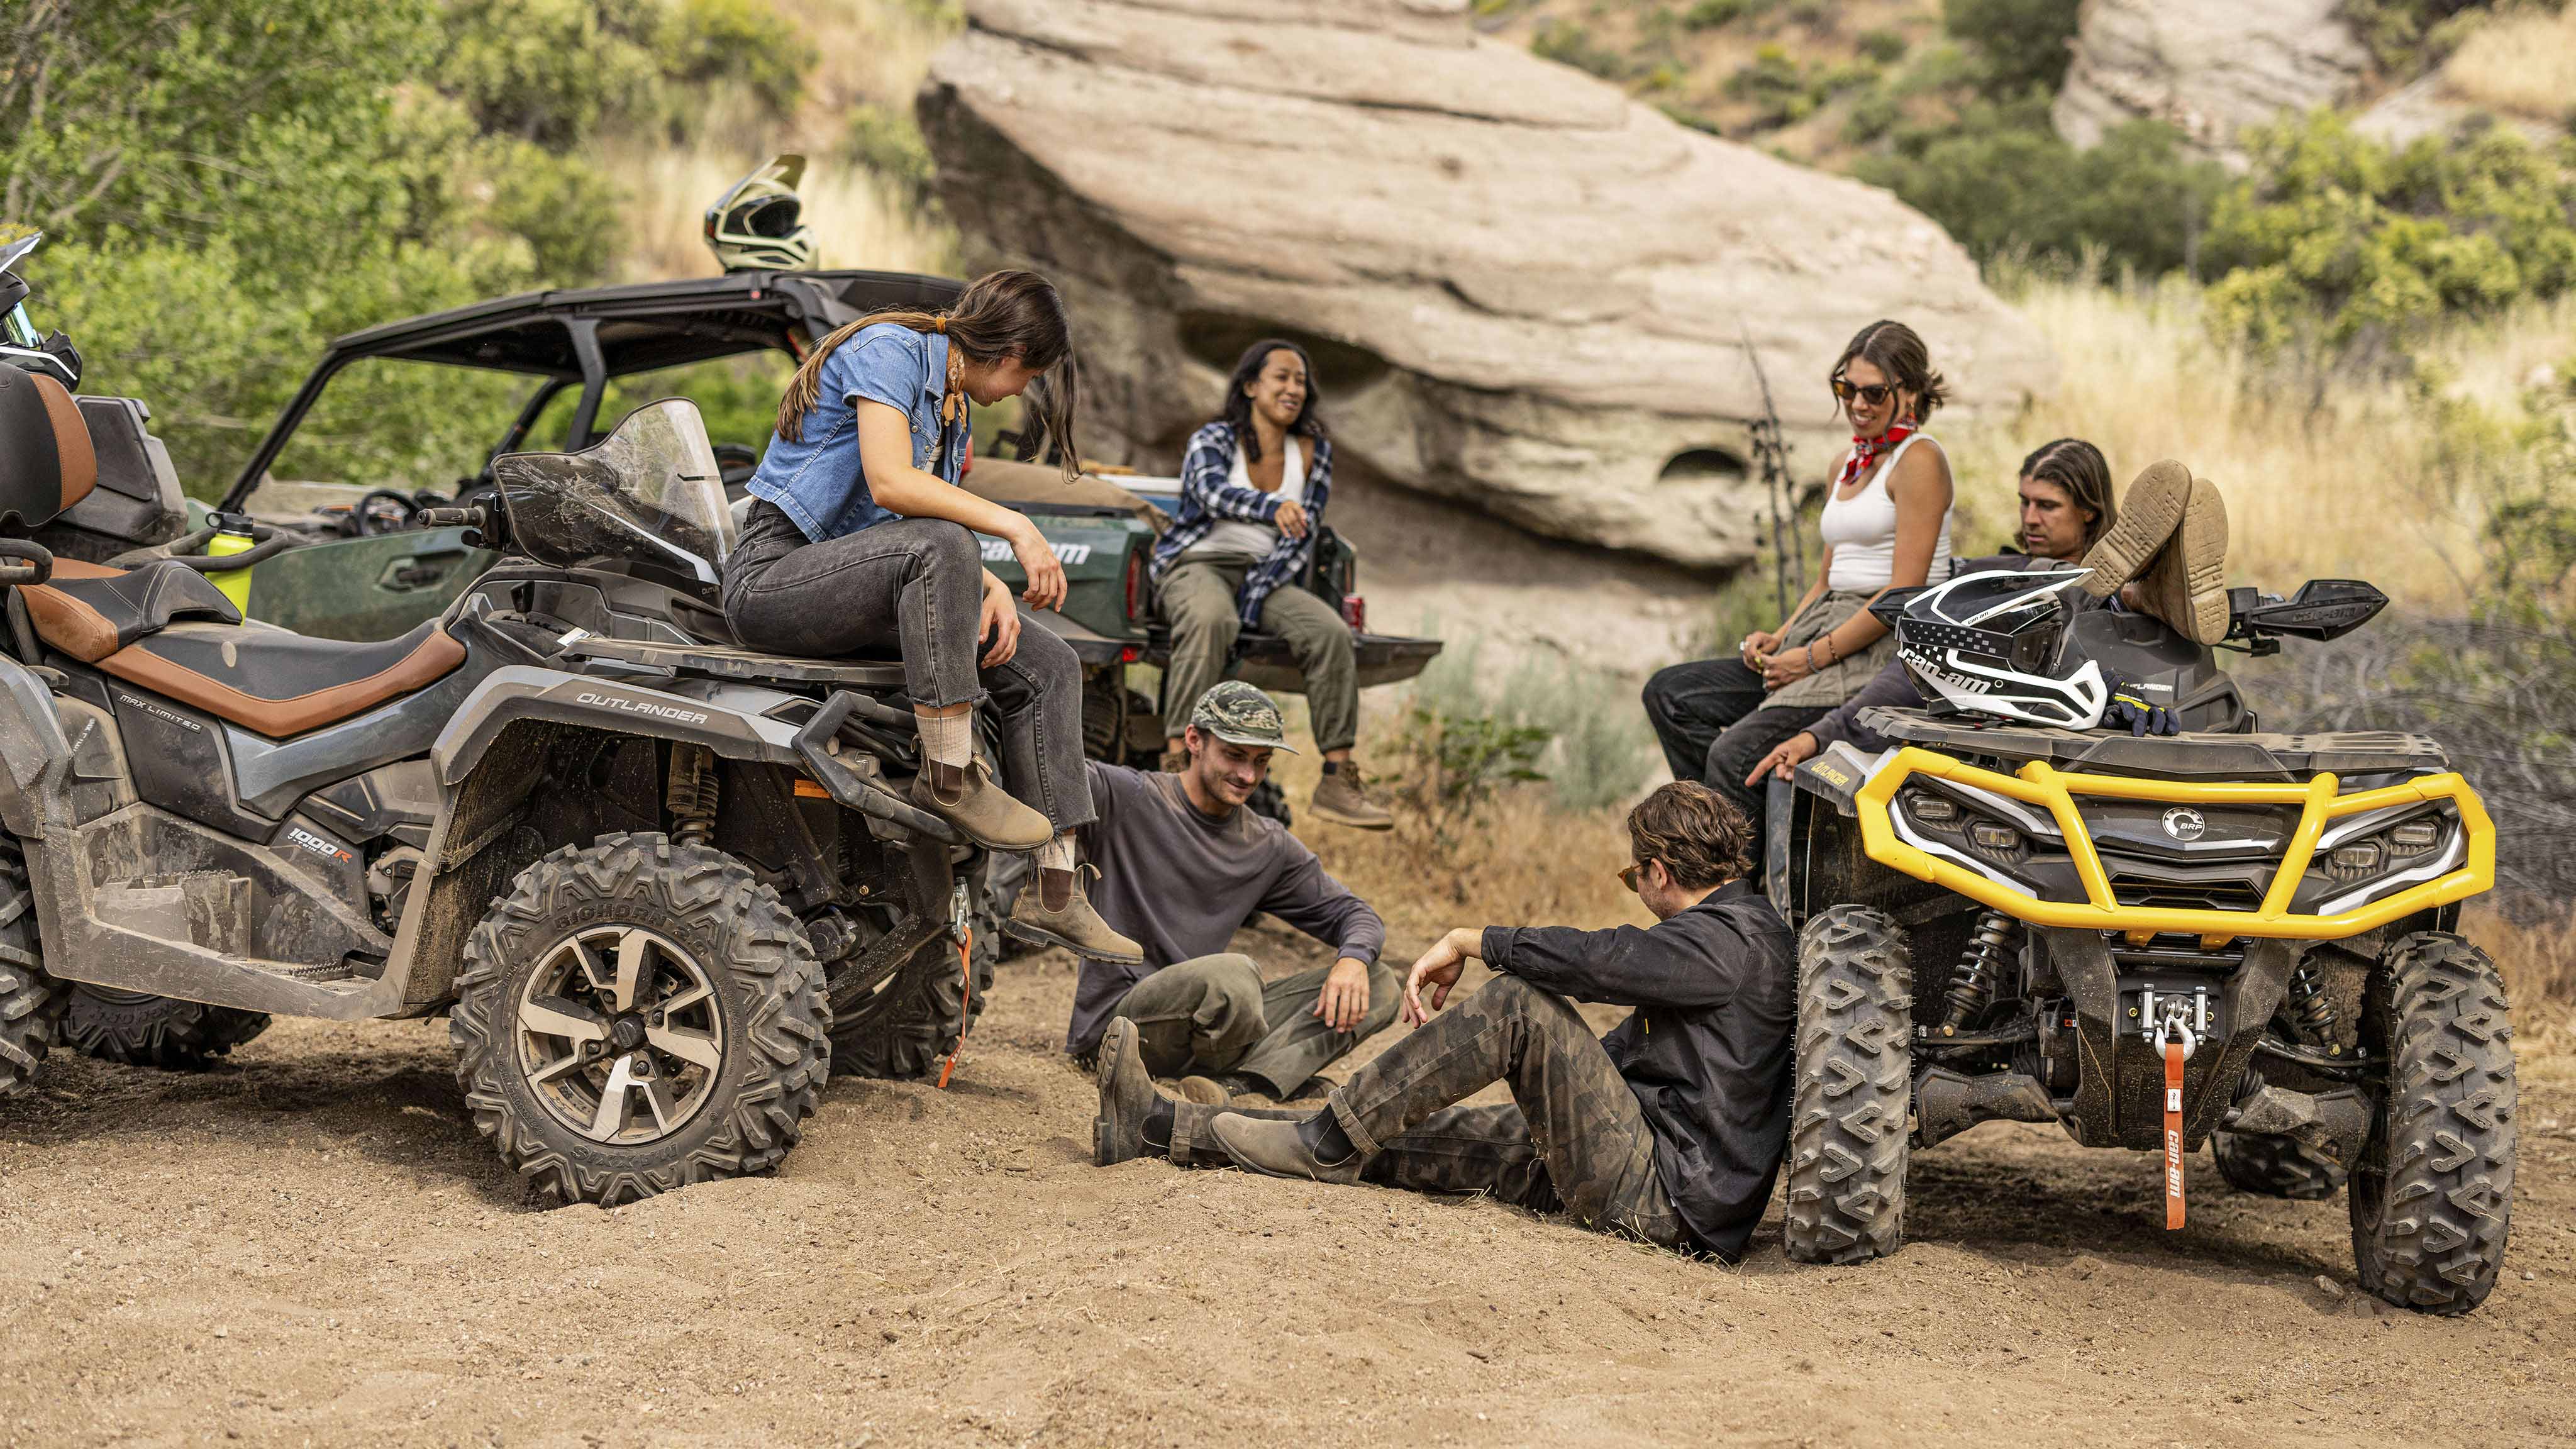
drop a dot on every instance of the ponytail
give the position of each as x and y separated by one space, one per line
999 315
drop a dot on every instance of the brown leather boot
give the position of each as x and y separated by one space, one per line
1342 799
1053 911
980 809
2186 583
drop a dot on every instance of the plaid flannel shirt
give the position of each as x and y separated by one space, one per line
1207 495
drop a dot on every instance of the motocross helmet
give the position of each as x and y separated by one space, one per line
1994 643
759 224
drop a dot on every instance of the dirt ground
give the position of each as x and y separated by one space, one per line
312 1246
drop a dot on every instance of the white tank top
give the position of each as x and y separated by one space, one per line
1861 530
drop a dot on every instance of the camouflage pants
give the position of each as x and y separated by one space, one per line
1572 1141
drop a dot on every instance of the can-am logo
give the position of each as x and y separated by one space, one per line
642 706
1071 555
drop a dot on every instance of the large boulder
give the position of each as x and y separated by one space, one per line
2210 67
1523 290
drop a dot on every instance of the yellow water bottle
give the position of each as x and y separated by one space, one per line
232 536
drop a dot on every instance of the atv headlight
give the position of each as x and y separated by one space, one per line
2364 857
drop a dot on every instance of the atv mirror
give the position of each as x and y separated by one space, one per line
2321 609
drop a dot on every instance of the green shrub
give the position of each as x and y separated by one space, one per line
1571 44
1711 14
2022 44
742 41
1885 47
890 144
2002 182
2333 233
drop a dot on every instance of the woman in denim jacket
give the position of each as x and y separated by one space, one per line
860 540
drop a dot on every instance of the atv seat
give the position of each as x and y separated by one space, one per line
90 611
278 683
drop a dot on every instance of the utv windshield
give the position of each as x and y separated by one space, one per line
649 493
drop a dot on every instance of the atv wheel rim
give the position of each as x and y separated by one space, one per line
620 1035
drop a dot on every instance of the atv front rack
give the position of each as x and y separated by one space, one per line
2041 785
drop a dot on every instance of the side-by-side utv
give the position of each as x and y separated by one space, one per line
2223 935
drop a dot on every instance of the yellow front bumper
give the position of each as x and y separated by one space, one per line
2039 784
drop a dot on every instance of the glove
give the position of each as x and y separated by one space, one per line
2129 708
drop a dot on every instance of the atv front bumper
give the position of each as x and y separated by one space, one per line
2025 844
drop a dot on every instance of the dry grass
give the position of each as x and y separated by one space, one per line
2522 63
868 52
2325 474
2539 965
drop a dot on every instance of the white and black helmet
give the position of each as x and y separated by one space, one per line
1994 643
759 224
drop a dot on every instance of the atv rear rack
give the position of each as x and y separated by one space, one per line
2040 784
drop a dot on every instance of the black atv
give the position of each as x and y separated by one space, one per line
2227 936
660 885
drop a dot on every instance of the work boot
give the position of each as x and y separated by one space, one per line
2149 513
1127 1097
981 810
1221 1089
1280 1149
1340 799
1053 911
2186 583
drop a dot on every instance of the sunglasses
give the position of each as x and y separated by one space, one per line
1873 395
1632 875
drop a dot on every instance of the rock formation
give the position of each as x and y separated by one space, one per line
2211 67
1523 291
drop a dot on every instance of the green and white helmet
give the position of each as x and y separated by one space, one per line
759 224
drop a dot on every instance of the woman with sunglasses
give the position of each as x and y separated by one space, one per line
1886 525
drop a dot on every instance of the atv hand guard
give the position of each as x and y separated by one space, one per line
2462 867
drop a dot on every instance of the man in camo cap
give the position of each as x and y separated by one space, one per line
1182 866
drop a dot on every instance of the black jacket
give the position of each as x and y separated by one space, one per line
1707 1051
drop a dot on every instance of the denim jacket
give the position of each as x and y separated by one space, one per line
819 482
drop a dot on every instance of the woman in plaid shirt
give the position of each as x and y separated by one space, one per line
1253 488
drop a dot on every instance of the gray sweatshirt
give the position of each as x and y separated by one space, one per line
1180 884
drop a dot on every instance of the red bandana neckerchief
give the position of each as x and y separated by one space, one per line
1865 451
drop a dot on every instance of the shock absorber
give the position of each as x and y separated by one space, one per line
1972 985
2310 1010
691 794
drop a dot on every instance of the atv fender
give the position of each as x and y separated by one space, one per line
730 726
35 756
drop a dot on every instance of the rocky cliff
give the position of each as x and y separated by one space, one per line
1523 291
2210 67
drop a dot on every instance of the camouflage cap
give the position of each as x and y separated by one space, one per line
1239 714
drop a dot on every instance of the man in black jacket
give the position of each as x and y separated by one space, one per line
1669 1129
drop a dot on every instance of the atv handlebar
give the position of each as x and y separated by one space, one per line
22 562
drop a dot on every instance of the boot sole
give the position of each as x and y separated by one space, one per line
1332 816
1041 936
2200 554
2149 512
1103 1152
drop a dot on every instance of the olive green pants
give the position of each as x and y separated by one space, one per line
1198 602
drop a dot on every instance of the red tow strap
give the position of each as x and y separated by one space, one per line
2173 1133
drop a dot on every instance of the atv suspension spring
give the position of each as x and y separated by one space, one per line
1972 986
692 794
2310 1009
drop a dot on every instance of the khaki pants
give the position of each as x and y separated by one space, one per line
1215 1014
1198 602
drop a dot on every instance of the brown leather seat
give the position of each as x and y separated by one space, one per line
90 611
46 461
279 683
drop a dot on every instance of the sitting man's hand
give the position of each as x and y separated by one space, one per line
1344 1003
2130 709
1438 969
1784 757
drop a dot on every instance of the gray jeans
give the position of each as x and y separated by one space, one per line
1215 1014
1572 1140
1198 602
916 585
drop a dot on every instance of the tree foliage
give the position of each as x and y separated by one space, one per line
2024 45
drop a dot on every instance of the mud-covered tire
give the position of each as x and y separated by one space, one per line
1853 1081
2274 1166
926 1013
30 1000
140 1029
721 922
2433 1192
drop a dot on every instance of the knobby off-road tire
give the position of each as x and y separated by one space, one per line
2273 1166
1847 1120
2433 1192
30 1000
724 1016
922 1015
143 1030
